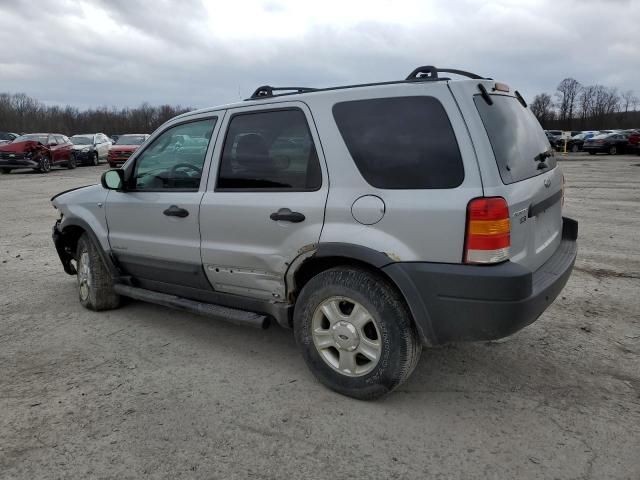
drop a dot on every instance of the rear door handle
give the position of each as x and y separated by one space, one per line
286 215
176 211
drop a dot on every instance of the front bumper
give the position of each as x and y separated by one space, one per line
23 163
63 251
455 302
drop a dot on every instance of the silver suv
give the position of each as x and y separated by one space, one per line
372 219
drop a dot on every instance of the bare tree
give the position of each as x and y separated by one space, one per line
567 92
542 108
21 113
628 101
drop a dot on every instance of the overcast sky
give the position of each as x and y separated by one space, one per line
203 53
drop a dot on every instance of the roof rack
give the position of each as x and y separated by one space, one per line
266 91
429 72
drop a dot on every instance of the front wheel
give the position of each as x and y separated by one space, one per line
613 150
95 287
72 163
356 333
44 164
94 159
575 148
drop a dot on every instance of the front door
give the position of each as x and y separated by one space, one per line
264 204
154 224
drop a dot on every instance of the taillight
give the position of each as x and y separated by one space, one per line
488 231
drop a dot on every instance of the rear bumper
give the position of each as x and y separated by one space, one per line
455 302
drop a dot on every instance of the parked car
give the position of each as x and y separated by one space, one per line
442 221
7 137
611 143
555 141
39 151
633 143
575 143
124 147
90 148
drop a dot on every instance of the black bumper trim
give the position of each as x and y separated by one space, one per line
452 302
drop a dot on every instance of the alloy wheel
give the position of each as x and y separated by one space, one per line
84 278
346 336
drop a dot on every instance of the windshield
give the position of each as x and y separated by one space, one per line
81 140
33 137
130 140
519 143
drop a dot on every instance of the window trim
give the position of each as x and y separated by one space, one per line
138 153
216 188
452 129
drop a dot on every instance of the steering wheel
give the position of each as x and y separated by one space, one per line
190 166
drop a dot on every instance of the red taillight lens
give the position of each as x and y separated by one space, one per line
488 231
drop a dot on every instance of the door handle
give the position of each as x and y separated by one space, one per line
176 211
286 215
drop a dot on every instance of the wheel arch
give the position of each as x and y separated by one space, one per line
330 255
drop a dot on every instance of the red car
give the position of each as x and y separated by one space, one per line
124 147
39 151
634 142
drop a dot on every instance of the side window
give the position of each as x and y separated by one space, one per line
401 142
269 150
62 139
175 159
52 140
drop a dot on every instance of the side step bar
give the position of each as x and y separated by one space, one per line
226 314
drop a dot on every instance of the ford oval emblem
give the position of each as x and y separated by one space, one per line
547 182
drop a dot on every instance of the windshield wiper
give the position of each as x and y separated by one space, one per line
541 157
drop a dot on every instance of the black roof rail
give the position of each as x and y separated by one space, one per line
429 72
266 91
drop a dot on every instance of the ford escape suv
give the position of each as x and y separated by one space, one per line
372 219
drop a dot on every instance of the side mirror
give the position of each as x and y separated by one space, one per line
113 179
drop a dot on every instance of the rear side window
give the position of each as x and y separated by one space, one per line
516 137
401 142
269 150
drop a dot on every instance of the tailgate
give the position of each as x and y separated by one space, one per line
517 163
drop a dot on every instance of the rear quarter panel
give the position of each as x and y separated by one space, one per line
418 225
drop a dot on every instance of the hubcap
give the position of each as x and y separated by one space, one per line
45 164
84 279
346 336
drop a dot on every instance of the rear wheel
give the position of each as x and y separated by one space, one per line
95 287
44 164
356 333
94 159
72 163
613 150
575 148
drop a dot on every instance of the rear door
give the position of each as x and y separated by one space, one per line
516 163
265 200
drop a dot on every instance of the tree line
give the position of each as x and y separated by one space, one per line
23 114
574 106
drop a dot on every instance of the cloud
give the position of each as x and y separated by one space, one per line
202 53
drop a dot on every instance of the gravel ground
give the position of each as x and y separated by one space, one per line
145 391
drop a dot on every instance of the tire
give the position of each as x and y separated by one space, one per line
72 163
575 148
95 287
95 161
5 171
613 150
382 327
592 153
44 164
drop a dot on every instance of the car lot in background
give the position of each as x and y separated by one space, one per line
39 151
90 148
124 395
120 151
611 143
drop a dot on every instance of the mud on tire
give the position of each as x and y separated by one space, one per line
399 340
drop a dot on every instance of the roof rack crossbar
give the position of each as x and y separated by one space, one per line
266 91
431 72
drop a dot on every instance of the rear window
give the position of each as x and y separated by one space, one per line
401 142
516 137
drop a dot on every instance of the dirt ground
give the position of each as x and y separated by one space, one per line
146 391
